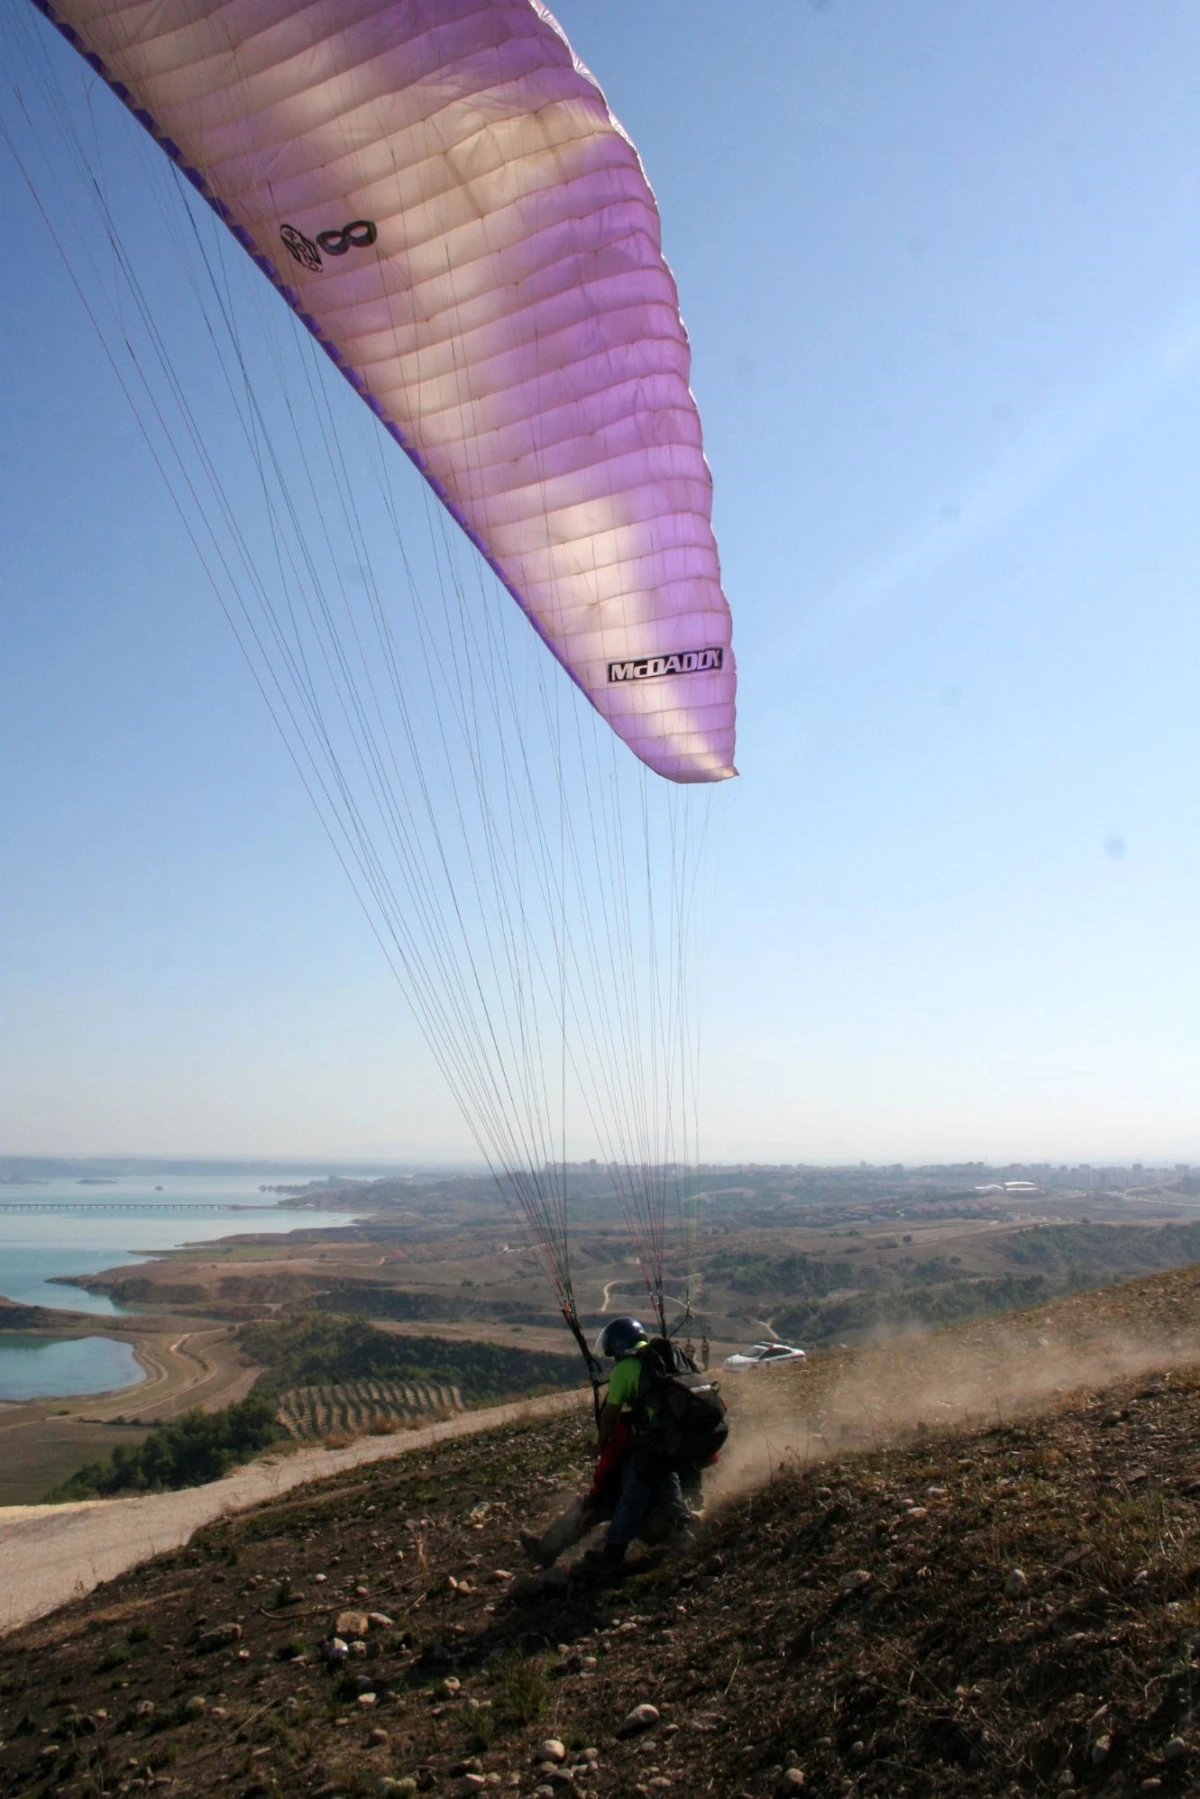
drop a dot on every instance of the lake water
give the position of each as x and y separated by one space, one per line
83 1228
33 1366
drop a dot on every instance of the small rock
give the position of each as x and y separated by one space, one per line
377 1737
916 1512
388 1788
320 1579
550 1751
196 1706
1016 1583
367 1698
1100 1749
144 1708
1152 1785
337 1649
858 1749
243 1655
642 1717
451 1687
935 1492
351 1624
793 1781
379 1621
472 1765
362 1592
1175 1750
357 1647
855 1580
219 1637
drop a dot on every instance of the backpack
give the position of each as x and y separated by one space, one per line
679 1418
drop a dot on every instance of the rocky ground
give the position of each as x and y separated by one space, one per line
1012 1607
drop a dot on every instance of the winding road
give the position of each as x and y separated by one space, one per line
50 1554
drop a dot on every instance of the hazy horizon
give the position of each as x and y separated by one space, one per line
352 1162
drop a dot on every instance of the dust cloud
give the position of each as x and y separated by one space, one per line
967 1378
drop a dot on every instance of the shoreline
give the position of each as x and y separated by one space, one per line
52 1323
183 1306
183 1337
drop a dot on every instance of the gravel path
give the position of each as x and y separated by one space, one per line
50 1554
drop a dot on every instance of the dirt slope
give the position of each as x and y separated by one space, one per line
52 1553
1010 1607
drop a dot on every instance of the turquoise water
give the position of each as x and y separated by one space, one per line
85 1228
31 1367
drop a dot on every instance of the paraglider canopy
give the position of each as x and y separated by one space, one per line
438 189
439 192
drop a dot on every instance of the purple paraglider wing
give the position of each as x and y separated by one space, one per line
439 190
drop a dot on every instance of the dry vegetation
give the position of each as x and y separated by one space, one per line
820 1256
826 1257
1004 1602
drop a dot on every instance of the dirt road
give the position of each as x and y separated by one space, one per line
43 1442
52 1553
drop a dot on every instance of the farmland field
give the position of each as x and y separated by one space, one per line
354 1408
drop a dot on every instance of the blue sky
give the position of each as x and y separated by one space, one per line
941 272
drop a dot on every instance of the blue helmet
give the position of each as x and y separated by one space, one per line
619 1337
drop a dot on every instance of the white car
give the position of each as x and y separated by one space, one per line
765 1355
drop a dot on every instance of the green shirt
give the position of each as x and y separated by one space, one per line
626 1379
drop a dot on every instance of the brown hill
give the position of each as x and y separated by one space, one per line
1008 1606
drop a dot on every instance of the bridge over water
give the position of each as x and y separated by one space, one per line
121 1205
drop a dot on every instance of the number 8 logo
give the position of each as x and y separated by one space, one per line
359 234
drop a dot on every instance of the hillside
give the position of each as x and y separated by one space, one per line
303 1348
1009 1606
